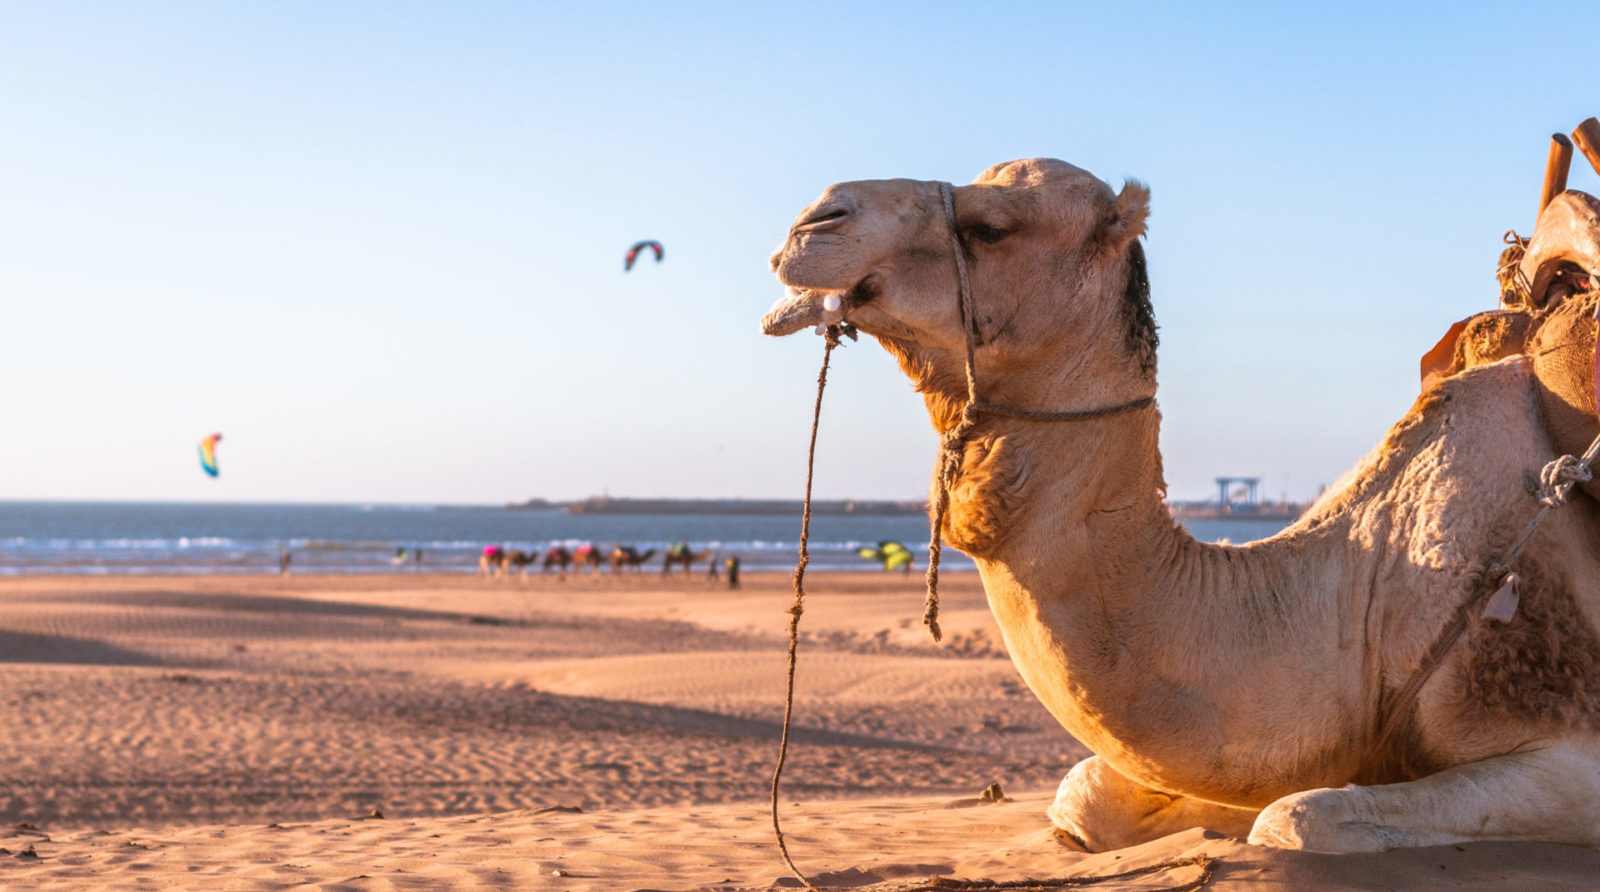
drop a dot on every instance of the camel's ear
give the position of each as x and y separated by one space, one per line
1126 221
1440 362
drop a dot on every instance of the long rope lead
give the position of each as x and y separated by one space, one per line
947 469
830 340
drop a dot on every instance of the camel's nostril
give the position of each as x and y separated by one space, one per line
828 214
825 216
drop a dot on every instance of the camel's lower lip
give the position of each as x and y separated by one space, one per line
802 308
798 309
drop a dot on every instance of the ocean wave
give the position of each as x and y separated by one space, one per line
247 538
24 543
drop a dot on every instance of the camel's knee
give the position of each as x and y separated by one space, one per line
1080 799
1549 794
1101 809
1324 820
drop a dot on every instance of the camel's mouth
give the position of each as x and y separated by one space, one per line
802 308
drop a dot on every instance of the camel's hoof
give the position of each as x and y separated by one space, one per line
1321 821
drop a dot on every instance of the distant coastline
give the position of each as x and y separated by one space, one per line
1284 511
754 507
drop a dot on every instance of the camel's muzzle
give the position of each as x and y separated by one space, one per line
802 308
798 309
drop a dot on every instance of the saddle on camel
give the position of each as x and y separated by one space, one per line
1549 298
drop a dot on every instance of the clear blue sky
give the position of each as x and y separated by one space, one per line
379 245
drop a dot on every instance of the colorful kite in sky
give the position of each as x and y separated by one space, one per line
208 454
633 253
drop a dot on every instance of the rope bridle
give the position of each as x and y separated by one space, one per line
1490 597
952 443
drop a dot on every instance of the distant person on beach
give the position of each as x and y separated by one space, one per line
733 572
283 562
711 569
416 558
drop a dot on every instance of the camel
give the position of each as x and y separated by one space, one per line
626 556
681 553
496 559
490 559
587 557
557 556
1240 688
519 560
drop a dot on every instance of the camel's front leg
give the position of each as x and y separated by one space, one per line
1549 794
1101 809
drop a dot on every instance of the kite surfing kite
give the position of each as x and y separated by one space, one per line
633 253
208 454
893 555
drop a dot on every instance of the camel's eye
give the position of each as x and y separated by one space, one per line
985 233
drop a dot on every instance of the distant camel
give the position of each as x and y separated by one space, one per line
489 560
559 557
626 556
587 557
516 558
496 559
681 553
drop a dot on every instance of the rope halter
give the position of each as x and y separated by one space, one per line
952 442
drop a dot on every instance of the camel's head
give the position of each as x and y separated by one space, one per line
1058 277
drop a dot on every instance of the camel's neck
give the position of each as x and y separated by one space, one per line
1113 613
1093 490
1020 479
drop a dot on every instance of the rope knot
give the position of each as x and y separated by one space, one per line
1558 477
953 439
1515 289
835 333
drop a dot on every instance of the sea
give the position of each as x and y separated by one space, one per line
171 537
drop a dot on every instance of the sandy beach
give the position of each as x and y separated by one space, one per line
447 732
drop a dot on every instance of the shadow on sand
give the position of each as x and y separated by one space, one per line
24 647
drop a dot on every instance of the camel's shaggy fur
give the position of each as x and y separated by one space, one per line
1543 667
1239 687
